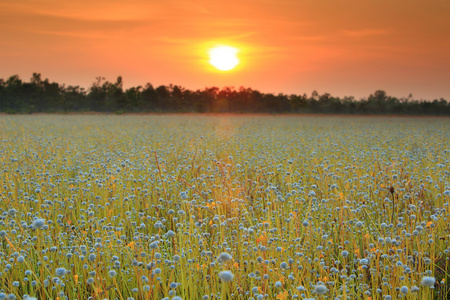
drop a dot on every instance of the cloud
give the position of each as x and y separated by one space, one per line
366 32
69 34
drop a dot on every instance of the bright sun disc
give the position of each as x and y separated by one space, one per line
223 58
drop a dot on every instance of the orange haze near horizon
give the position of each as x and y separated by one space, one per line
345 48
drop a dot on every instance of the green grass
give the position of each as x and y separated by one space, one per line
284 196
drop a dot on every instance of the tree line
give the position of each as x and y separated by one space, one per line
38 95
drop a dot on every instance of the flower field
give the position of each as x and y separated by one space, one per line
224 207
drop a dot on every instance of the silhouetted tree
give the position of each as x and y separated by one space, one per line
41 95
149 98
133 99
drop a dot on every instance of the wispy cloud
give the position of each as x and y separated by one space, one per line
69 34
184 40
70 26
366 32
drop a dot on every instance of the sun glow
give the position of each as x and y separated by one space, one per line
223 58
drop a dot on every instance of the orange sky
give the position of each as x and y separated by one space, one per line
344 47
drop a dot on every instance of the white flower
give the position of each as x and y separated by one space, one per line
428 281
224 257
320 289
226 276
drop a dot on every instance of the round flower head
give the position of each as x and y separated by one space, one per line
112 273
404 289
177 298
38 223
173 285
320 289
428 281
157 271
224 257
226 276
60 271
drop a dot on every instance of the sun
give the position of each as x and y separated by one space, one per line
223 58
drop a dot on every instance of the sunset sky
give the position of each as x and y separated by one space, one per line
343 47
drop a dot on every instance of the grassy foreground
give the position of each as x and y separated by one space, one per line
224 207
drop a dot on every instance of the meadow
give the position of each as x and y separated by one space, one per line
224 207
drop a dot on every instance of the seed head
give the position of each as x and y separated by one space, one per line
112 273
60 271
320 289
226 276
428 281
224 257
38 223
173 285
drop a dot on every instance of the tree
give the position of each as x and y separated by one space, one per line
149 97
41 95
97 95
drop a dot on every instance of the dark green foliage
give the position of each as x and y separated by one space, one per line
39 95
